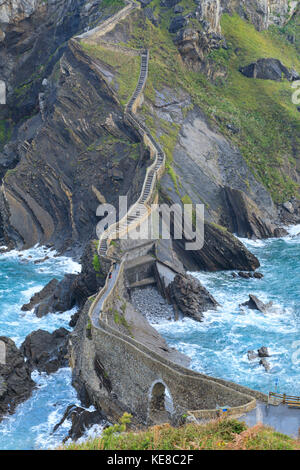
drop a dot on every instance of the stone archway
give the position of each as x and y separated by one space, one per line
160 404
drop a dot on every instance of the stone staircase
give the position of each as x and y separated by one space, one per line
140 209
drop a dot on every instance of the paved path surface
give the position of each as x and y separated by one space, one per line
98 306
282 418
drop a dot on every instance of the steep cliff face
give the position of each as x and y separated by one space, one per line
78 154
13 11
65 148
262 13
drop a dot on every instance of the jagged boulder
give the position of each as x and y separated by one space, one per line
247 219
255 304
267 69
45 351
82 420
40 296
177 23
221 251
16 384
190 297
263 352
289 212
263 362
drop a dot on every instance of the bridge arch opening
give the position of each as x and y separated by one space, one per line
160 403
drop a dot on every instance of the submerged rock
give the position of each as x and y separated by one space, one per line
255 304
258 275
16 384
263 362
45 351
252 355
245 275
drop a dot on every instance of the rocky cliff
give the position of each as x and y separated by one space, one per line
64 144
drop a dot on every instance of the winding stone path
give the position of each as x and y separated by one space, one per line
152 174
146 369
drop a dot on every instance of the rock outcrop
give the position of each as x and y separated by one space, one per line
16 384
255 304
263 352
46 352
195 46
269 69
14 11
82 420
221 251
262 13
190 297
247 219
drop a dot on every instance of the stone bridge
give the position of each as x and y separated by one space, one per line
120 372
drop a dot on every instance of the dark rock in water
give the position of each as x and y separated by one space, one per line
245 275
252 355
39 296
45 351
60 300
263 352
258 275
280 232
177 23
234 275
38 261
15 380
82 420
267 69
255 304
263 362
190 297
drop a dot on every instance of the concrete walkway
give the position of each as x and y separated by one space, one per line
282 418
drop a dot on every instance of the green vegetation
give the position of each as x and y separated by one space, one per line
96 263
110 7
127 67
262 110
5 132
228 434
120 320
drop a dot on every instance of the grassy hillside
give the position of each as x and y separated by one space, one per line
216 435
262 111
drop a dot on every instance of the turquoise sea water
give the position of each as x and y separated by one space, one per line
30 427
217 347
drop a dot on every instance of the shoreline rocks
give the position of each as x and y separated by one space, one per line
261 353
255 304
82 420
46 352
190 297
16 384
